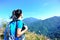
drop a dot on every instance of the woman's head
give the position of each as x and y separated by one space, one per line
16 14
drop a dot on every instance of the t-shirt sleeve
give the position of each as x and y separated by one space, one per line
20 24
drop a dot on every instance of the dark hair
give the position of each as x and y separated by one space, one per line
16 14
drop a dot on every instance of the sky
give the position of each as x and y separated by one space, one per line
41 9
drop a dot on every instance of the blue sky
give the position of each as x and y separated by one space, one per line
40 9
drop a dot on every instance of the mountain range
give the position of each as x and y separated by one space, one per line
49 27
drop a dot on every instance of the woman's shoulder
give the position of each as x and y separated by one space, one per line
19 21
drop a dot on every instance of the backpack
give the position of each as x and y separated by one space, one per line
7 33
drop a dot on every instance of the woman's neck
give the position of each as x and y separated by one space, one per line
19 18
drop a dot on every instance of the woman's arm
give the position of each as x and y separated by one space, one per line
19 32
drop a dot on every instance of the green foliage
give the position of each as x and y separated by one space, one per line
4 25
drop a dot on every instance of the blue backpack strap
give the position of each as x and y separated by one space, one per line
16 29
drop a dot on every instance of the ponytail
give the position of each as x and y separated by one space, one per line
16 14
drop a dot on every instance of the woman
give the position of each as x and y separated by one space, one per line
17 15
17 27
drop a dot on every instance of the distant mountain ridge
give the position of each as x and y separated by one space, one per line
49 27
29 20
